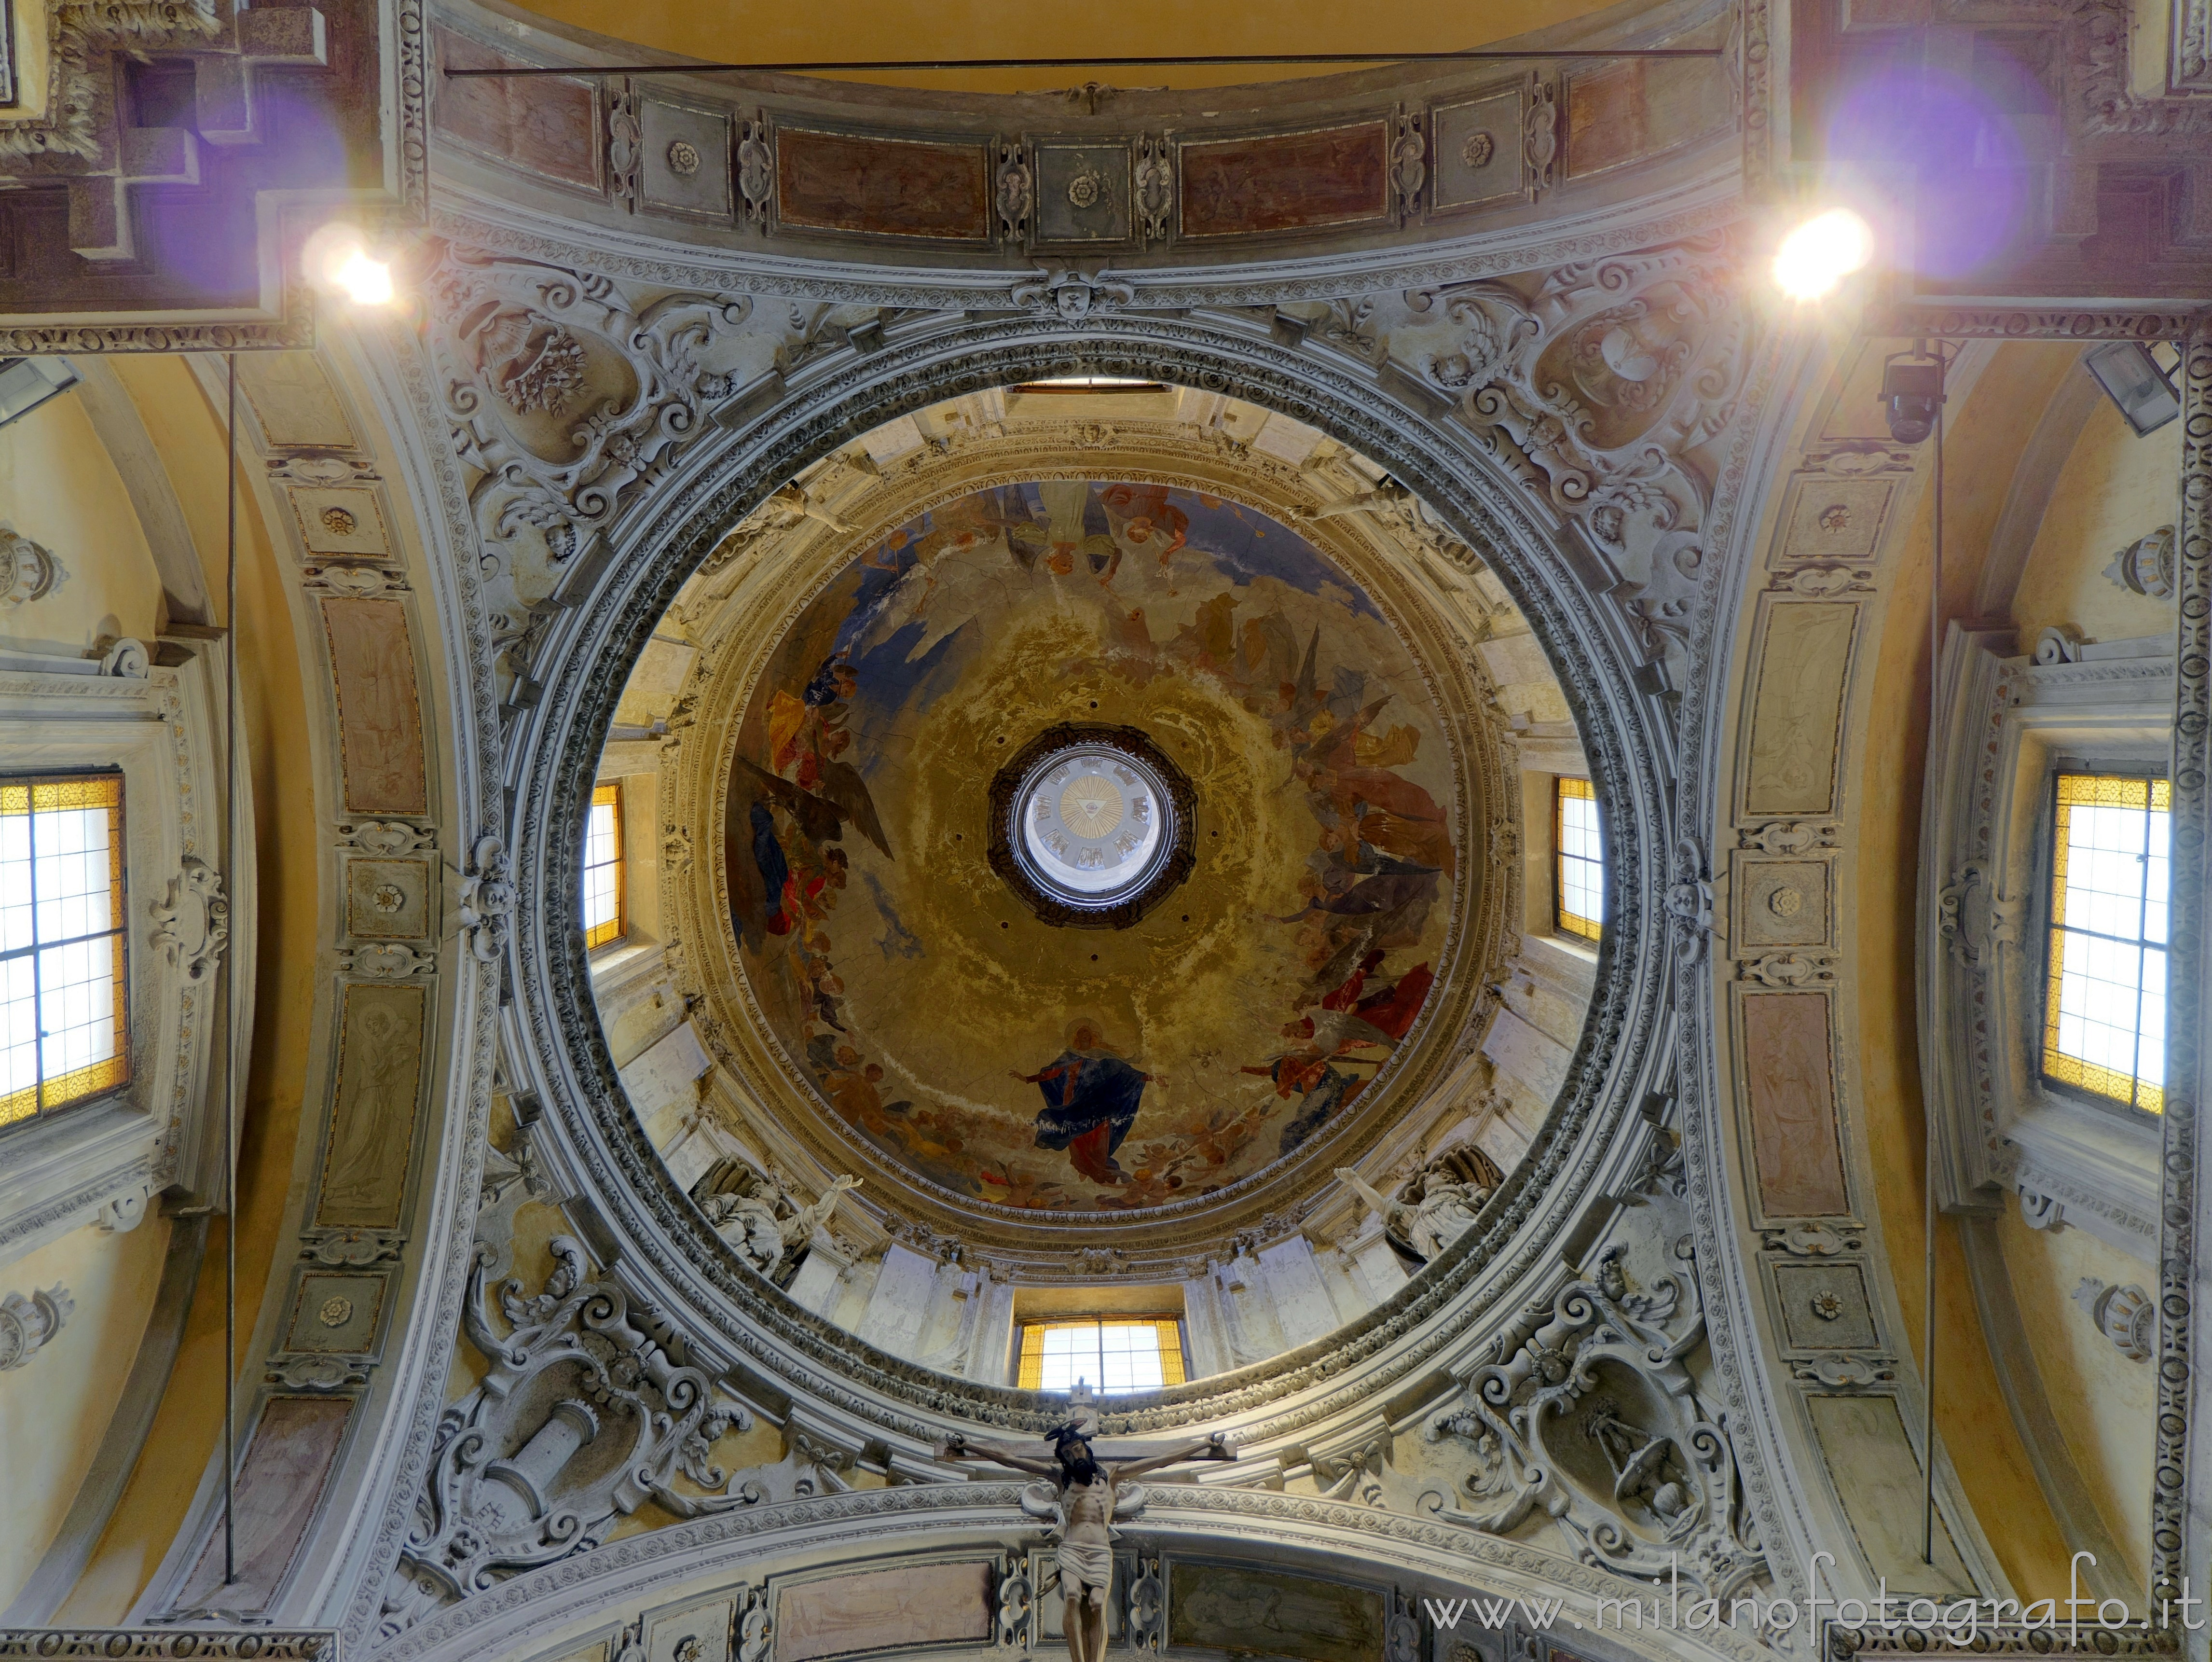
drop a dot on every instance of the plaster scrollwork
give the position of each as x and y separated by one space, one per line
1016 1595
1155 186
1845 1372
1148 1604
387 960
488 899
756 1634
1592 1419
1790 969
1790 836
1690 901
385 836
2145 566
2125 1315
120 655
191 921
1402 1631
317 1374
563 399
1071 294
28 571
1016 192
1601 388
756 166
28 1324
355 1249
569 1372
1540 132
1409 163
1808 1240
1973 919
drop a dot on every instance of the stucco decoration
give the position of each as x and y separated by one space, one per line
1592 1418
27 1324
939 1018
584 1417
28 571
191 923
2124 1315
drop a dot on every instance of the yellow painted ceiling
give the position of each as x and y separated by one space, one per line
907 30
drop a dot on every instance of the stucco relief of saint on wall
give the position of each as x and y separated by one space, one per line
382 1036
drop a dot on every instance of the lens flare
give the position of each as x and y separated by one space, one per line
338 260
365 281
1821 252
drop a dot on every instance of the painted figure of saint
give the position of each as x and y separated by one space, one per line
1091 1100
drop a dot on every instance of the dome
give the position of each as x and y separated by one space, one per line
1091 853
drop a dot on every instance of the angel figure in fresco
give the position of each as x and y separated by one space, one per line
1086 1498
1091 1100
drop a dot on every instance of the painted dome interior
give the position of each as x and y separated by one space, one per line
888 779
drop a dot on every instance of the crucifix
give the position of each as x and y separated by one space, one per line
1091 1491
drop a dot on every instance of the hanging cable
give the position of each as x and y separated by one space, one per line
229 1026
1927 1108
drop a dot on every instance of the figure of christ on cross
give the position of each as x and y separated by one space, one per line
1088 1488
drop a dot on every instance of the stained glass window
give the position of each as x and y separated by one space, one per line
603 868
2104 1024
1581 880
1113 1355
64 1015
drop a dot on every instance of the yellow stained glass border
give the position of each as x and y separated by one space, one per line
1167 1330
2070 791
610 796
27 794
1564 790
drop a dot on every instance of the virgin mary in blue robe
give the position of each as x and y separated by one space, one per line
1090 1101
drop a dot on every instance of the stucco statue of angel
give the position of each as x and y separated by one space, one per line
759 1219
1438 1212
1086 1497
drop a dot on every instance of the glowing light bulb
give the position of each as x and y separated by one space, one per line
365 281
1821 252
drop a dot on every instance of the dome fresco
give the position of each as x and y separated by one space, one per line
1007 1056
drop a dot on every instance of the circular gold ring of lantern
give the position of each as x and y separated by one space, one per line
1062 785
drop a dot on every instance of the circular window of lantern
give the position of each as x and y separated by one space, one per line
1091 825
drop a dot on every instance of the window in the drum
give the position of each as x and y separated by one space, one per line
603 868
1113 1355
2104 1026
65 992
1580 858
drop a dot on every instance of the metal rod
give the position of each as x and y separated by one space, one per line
887 65
1927 1108
230 1027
